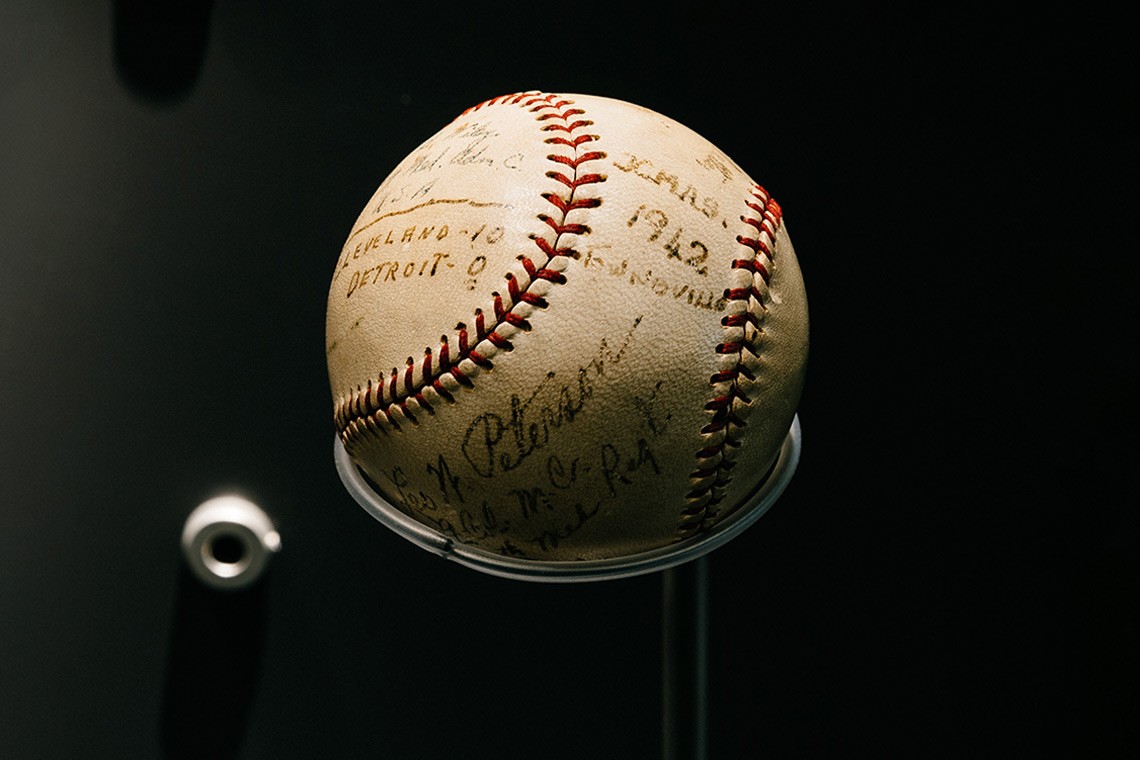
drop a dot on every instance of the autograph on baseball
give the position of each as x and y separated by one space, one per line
566 327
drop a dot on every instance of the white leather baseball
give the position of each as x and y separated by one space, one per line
566 327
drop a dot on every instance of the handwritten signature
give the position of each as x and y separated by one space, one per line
493 444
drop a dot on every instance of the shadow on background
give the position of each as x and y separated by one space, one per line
160 46
212 670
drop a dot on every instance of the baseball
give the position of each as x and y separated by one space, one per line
566 327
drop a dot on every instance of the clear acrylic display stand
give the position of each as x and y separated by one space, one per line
684 589
575 571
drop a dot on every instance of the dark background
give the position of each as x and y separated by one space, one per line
951 573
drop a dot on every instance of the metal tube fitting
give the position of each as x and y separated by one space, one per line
228 542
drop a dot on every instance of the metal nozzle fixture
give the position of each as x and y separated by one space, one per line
228 541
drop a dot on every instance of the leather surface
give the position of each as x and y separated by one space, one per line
566 327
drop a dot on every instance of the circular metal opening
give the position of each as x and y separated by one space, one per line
227 542
227 549
226 554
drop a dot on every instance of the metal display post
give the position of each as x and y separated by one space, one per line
685 661
685 586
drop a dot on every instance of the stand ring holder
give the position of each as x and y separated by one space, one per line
641 563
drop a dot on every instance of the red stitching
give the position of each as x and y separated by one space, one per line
573 162
444 353
712 473
560 229
480 326
547 101
739 320
408 412
442 391
753 265
568 127
460 377
566 208
574 184
563 115
370 411
541 274
572 143
512 99
411 367
500 341
743 294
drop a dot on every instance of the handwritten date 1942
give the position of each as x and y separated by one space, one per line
697 254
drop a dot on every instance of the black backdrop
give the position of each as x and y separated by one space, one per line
951 573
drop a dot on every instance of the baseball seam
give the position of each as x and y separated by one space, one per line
751 273
385 403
